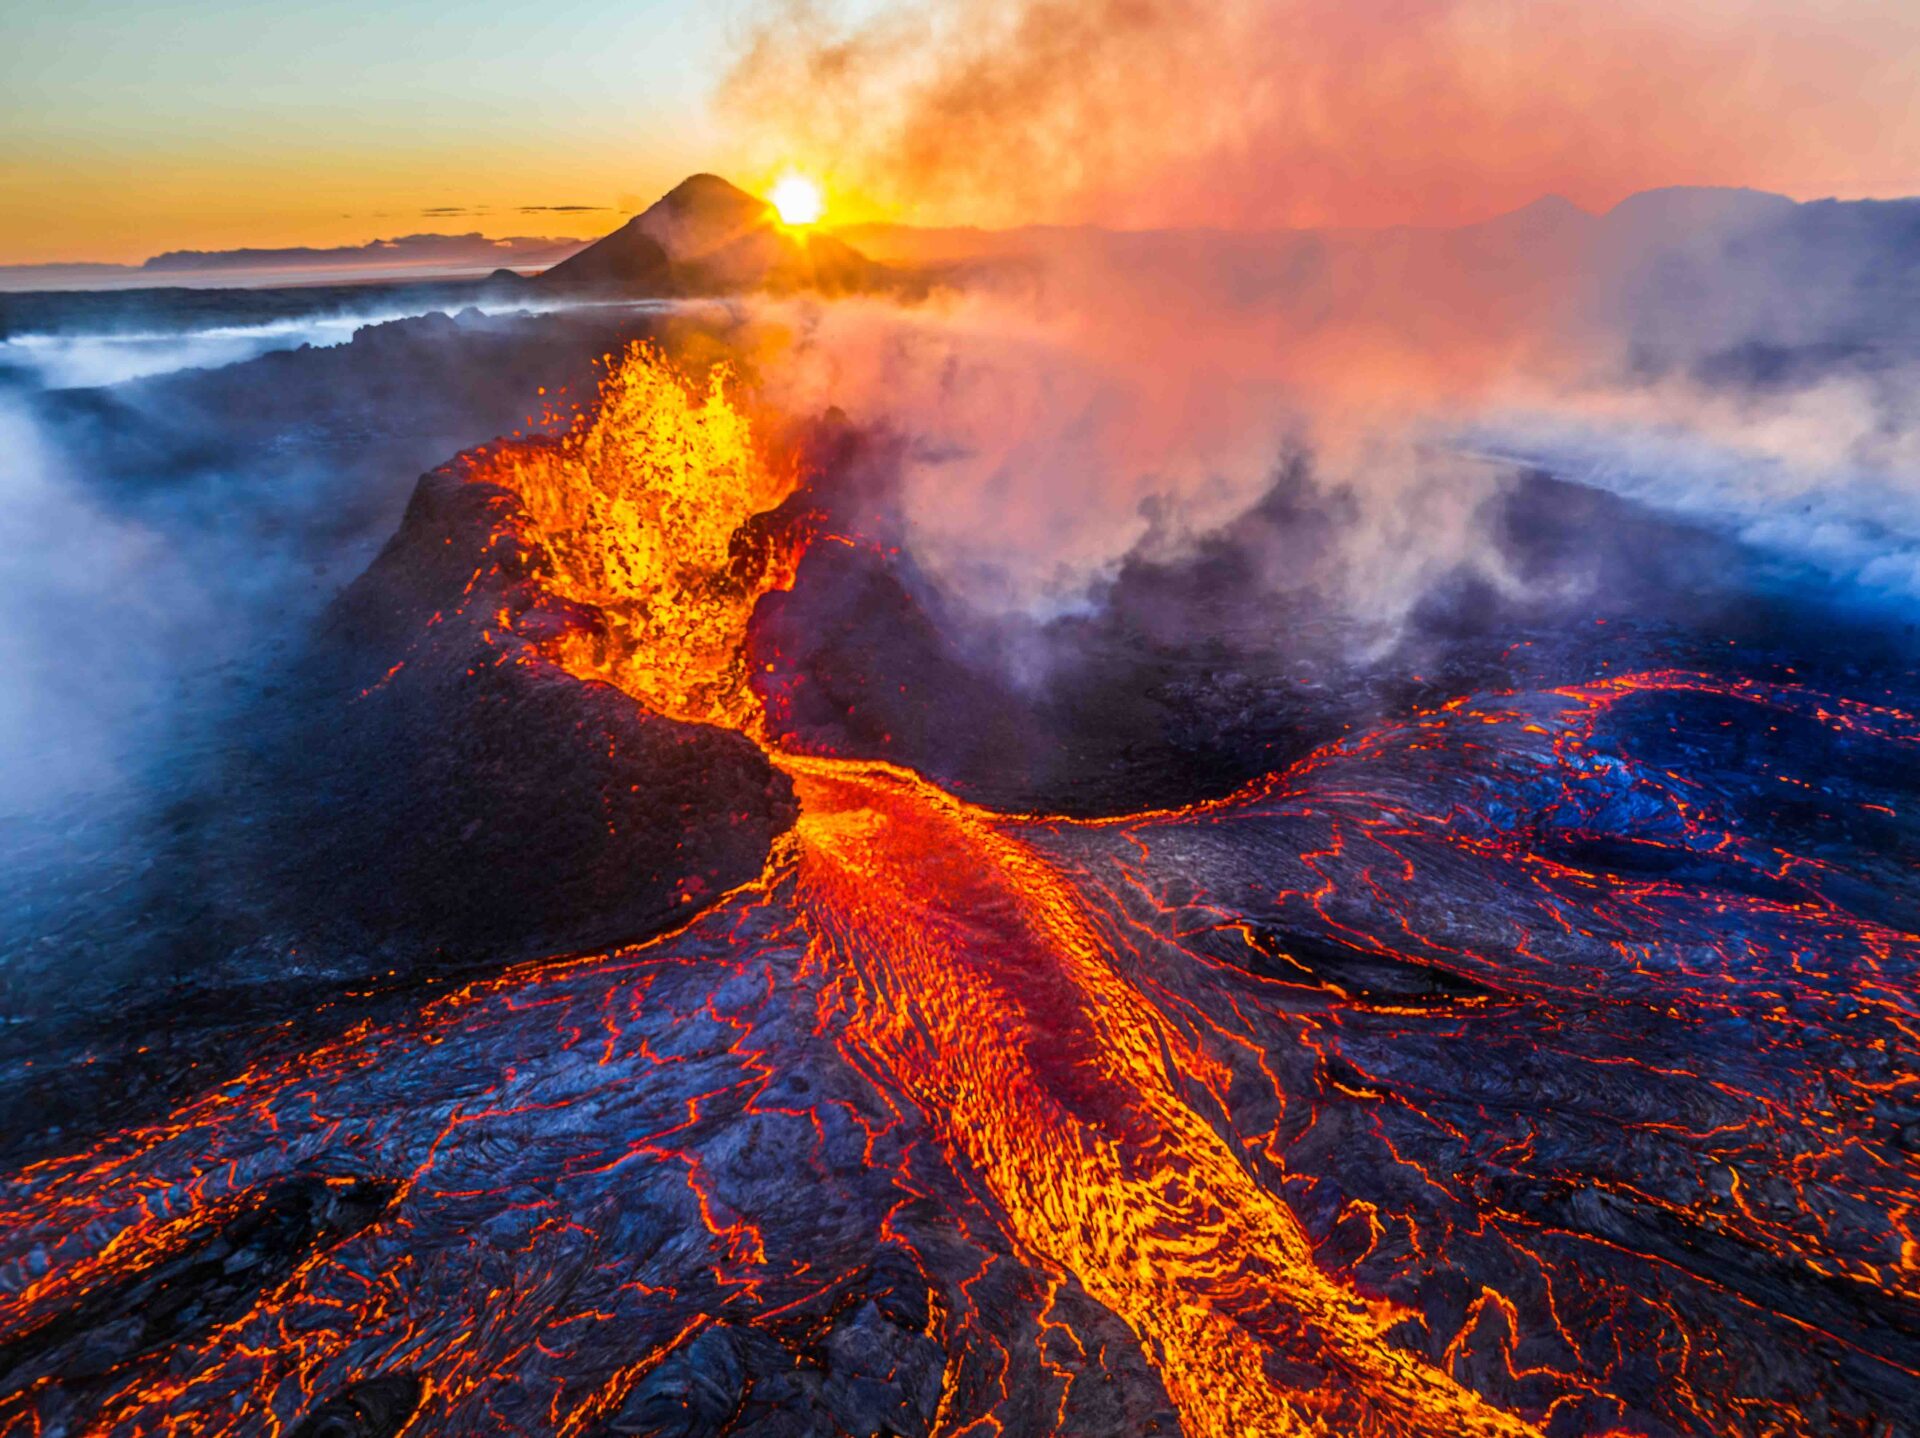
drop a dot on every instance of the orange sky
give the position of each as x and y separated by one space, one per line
117 204
131 128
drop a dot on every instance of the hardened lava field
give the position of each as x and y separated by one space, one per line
1534 1057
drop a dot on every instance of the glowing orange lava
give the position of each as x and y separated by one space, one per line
973 977
641 511
954 1037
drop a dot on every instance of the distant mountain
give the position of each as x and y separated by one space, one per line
412 258
1718 207
468 250
706 236
1682 269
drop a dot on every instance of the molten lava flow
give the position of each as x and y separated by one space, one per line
970 974
641 510
973 976
473 1197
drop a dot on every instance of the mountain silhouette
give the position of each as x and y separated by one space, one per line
707 236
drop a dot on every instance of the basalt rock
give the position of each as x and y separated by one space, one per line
435 785
378 1408
213 1272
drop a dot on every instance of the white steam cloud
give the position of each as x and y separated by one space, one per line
97 609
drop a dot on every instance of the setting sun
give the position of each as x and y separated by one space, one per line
798 200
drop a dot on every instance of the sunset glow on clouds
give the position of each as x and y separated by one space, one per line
1314 112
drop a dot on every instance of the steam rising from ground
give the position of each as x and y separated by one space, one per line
1042 451
1045 442
96 607
155 535
77 361
1828 473
1724 355
111 356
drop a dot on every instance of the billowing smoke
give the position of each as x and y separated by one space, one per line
1050 433
1724 354
1261 113
1082 395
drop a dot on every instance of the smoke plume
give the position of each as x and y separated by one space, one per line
1261 113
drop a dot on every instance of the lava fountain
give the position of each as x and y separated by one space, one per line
642 512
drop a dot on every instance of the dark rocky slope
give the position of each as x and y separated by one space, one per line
434 785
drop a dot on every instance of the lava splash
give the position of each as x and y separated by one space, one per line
642 510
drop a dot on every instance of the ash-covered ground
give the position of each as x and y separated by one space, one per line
1199 1007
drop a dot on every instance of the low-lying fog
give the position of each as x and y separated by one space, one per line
90 358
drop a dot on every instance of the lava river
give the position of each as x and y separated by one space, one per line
1479 1073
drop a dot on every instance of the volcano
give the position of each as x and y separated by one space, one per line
706 236
755 1049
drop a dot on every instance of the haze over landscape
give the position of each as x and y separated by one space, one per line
1039 717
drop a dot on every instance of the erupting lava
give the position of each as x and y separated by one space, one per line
973 977
641 509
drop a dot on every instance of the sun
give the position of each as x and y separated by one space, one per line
798 200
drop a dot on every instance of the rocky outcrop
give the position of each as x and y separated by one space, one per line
435 786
